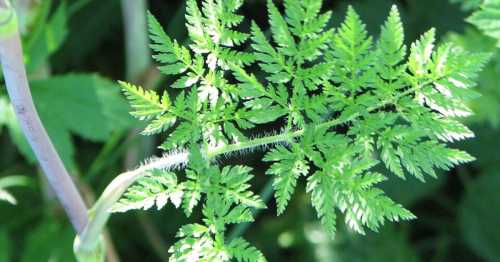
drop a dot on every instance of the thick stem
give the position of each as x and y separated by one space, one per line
11 56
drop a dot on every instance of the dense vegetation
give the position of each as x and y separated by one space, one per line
333 110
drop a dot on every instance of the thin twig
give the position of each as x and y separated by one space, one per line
14 71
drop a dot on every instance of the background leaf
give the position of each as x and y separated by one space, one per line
39 245
4 246
479 215
85 105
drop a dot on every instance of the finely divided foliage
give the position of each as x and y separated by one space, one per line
347 103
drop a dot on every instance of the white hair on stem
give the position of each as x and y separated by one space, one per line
175 159
178 158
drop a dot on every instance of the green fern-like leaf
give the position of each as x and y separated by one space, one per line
343 102
351 50
242 251
234 186
146 104
322 198
175 58
154 189
287 168
206 243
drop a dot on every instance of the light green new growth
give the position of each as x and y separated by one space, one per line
346 102
8 20
10 181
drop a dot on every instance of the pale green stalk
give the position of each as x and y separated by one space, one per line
11 56
87 244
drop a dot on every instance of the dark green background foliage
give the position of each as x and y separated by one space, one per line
76 48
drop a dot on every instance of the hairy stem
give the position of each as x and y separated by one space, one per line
14 71
254 143
288 136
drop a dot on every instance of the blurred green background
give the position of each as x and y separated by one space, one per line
75 50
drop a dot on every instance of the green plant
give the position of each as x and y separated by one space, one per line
346 104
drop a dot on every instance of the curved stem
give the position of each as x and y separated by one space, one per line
100 213
11 56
